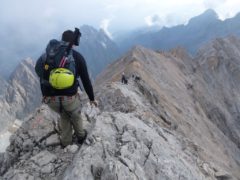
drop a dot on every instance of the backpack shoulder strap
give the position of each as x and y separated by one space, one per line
44 58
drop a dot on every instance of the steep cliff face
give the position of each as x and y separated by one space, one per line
21 96
3 85
127 139
3 114
218 66
182 101
24 90
166 123
97 48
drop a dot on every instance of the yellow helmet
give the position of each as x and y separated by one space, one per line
61 78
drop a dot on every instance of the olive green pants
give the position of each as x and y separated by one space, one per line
70 117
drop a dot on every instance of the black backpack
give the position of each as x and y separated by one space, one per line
56 57
59 57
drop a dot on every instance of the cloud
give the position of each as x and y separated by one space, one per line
105 25
224 8
213 3
148 20
28 23
127 14
153 20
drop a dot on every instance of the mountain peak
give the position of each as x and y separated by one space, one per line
229 45
210 12
237 15
207 16
180 52
23 67
27 62
138 48
88 30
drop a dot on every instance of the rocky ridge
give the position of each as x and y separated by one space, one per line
159 126
125 141
218 65
20 98
24 92
198 31
3 84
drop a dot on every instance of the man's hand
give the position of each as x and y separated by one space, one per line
94 103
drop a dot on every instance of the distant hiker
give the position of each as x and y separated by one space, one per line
124 79
136 77
58 69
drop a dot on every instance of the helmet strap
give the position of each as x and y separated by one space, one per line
63 62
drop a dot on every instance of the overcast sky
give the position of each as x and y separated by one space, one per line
48 16
27 25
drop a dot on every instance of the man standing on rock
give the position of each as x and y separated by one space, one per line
58 69
124 79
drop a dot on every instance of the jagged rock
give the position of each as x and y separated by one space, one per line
53 140
3 86
126 156
153 128
20 98
43 158
24 92
71 148
22 176
27 145
114 100
222 176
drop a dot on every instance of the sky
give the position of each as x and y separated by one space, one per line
27 25
42 17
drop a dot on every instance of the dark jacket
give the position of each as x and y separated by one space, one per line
81 70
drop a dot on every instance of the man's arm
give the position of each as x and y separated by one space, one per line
83 72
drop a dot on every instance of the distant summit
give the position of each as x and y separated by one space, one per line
209 12
206 17
97 48
199 30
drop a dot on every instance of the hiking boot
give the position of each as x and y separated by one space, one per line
63 146
82 139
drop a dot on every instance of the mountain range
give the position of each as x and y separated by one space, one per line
99 50
19 97
195 33
179 119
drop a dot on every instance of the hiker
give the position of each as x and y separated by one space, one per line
58 69
136 77
124 79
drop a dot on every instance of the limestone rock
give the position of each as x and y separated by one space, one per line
20 98
176 121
